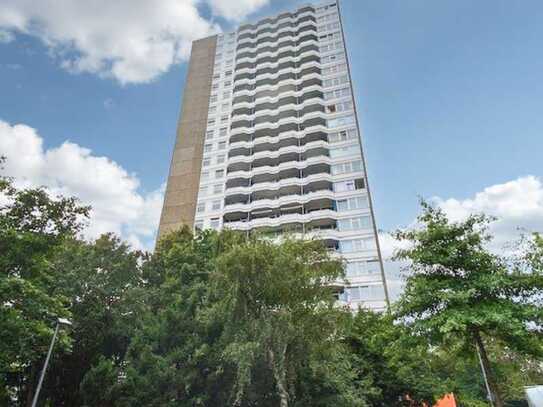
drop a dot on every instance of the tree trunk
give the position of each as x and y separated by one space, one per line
496 398
280 376
30 385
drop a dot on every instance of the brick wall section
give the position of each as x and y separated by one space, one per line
184 177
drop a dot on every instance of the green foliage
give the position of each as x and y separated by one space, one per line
33 228
460 292
217 319
395 362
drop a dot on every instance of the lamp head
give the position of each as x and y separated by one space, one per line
64 321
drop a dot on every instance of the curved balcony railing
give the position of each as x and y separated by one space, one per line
275 122
276 54
277 143
247 170
249 98
291 35
295 129
321 178
279 201
272 22
253 75
282 220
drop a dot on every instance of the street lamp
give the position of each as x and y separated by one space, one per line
60 321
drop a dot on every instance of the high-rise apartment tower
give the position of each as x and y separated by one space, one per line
268 139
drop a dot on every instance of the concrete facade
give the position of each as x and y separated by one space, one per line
184 177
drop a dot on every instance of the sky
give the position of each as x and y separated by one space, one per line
449 94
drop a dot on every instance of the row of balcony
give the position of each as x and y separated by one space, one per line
288 85
308 25
309 125
273 94
281 142
251 121
298 68
246 108
275 54
273 22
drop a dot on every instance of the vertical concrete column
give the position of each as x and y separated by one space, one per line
184 178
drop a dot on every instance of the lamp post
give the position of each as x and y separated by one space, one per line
60 321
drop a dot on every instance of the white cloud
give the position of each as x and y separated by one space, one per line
517 205
236 10
69 169
133 41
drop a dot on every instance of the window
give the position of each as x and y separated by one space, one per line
340 80
216 205
345 168
217 76
223 131
225 106
211 122
222 145
201 207
208 148
331 47
199 225
217 188
219 174
340 121
339 107
221 158
214 223
339 56
224 119
355 245
205 174
213 98
228 73
202 191
365 293
229 62
337 93
209 134
329 36
328 27
215 86
342 135
206 162
362 268
356 223
227 83
350 185
212 109
349 204
336 152
226 95
218 56
334 69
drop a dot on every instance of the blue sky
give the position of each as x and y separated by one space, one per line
450 96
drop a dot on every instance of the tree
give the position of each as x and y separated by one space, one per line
458 291
278 305
33 226
103 283
175 356
401 367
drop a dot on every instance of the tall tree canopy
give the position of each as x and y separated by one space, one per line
460 292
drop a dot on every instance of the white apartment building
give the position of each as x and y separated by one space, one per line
279 148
